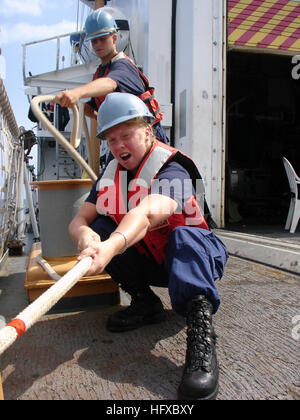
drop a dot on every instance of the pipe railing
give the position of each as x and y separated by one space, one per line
11 157
58 39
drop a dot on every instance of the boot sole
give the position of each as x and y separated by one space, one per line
209 397
154 319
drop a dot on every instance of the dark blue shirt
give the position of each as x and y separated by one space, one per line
128 79
125 74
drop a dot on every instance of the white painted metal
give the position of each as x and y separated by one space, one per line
274 252
224 112
159 48
150 34
67 78
199 92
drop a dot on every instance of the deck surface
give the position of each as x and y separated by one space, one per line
71 356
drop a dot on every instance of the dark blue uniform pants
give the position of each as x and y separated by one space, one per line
195 258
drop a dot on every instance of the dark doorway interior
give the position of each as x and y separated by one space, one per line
263 125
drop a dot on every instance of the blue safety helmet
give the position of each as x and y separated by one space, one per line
118 108
75 38
99 23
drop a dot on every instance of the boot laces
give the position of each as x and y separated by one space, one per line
200 338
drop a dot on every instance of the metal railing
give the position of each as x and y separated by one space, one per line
58 39
12 220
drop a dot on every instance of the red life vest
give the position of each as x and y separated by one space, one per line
115 197
147 97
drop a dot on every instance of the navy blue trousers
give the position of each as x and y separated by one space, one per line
195 258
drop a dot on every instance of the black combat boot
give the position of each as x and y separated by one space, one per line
145 308
201 373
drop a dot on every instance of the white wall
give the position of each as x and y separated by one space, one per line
150 32
198 113
198 81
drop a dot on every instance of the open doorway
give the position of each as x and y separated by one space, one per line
263 125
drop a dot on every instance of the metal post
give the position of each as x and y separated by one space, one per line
57 53
20 200
55 123
31 206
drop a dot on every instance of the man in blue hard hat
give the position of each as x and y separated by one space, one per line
116 73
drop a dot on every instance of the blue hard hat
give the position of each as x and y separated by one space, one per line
75 38
118 108
99 23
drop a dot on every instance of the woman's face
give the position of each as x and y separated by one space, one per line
129 143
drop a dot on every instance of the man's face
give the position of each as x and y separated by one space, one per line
104 45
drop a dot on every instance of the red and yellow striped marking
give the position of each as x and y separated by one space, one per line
272 24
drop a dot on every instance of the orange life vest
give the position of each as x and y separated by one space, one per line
115 197
147 97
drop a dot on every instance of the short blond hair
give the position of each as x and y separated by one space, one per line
139 121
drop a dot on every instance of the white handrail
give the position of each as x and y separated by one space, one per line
56 37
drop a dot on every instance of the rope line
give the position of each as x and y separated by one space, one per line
30 315
5 107
58 136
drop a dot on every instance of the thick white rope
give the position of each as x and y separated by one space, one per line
58 136
47 300
5 107
30 315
